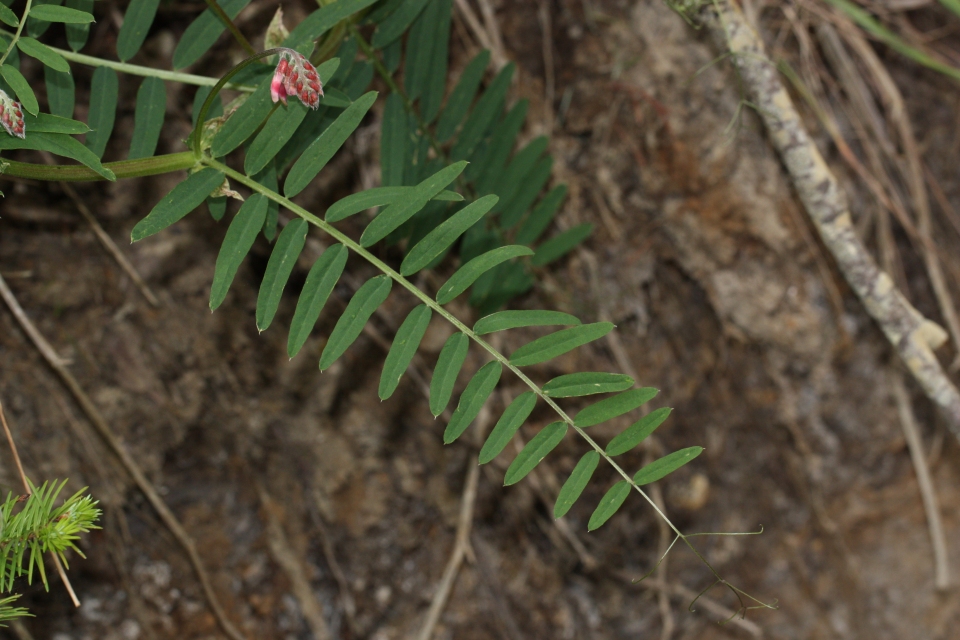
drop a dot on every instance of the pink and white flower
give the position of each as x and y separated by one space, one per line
11 115
295 76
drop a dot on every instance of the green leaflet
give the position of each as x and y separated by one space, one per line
136 24
397 22
268 178
402 350
451 359
393 142
361 306
281 126
535 451
217 207
468 273
244 121
613 407
322 20
104 88
399 212
585 384
445 234
503 320
316 156
612 500
520 167
203 33
558 343
236 245
35 26
381 11
462 95
21 87
320 282
541 217
533 182
77 34
556 247
310 129
576 483
361 75
60 93
43 53
434 80
637 432
283 259
490 168
59 144
484 113
184 198
148 119
54 13
472 399
666 465
508 424
391 55
53 124
8 17
376 197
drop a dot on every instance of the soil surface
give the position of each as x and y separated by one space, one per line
314 504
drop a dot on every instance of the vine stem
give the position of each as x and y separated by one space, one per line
152 166
137 70
16 36
436 307
228 22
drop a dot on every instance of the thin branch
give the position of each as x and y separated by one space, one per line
228 22
927 490
912 335
113 442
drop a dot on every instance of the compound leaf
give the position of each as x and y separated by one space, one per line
148 119
316 156
468 273
283 258
361 306
451 359
472 399
558 343
503 320
402 350
616 406
612 500
637 432
576 483
585 384
399 212
535 451
322 278
241 234
666 465
136 24
184 198
508 424
445 234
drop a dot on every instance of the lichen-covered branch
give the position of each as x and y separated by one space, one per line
912 335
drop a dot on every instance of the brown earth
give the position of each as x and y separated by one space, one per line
722 298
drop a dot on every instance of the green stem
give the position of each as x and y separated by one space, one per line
437 308
79 173
16 36
137 70
239 37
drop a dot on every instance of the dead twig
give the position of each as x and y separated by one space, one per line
927 491
114 444
913 336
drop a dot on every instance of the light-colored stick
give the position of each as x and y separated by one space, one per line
913 336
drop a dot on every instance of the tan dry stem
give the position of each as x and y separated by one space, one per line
913 336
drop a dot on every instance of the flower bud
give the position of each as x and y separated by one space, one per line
295 76
11 116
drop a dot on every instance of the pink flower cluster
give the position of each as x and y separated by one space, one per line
11 115
295 76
